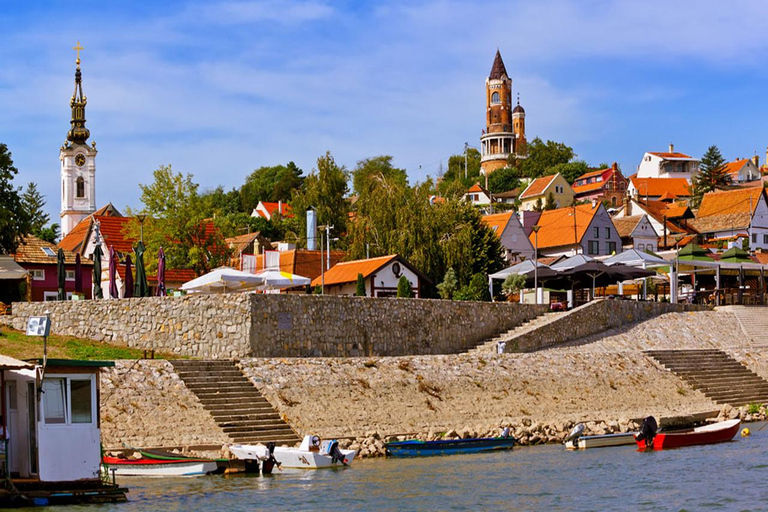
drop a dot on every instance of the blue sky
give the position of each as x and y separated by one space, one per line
219 88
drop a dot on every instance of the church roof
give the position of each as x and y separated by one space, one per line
498 70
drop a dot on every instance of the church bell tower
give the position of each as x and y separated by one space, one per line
504 133
78 162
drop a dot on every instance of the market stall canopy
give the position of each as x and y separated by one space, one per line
9 269
526 268
572 262
274 279
223 280
736 255
635 258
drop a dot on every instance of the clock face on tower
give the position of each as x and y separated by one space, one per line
80 159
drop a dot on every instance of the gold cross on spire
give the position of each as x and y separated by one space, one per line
77 49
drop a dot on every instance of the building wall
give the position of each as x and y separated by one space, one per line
514 240
606 233
653 166
644 237
563 199
269 325
51 282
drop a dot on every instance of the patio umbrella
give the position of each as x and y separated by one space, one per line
61 274
78 274
141 289
223 280
128 278
113 293
97 291
161 272
278 280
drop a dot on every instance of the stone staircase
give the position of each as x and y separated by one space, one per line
489 346
234 402
754 323
721 378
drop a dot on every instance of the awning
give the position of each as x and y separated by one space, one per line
9 363
9 269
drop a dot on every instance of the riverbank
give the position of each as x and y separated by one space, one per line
604 380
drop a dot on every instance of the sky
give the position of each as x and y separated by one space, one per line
220 88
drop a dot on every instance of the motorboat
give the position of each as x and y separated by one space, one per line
311 454
145 466
601 441
650 439
416 448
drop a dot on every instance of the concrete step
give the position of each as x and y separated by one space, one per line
287 441
265 430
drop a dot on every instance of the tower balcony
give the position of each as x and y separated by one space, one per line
496 146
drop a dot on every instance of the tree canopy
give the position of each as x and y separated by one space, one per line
275 183
543 156
14 219
503 180
712 175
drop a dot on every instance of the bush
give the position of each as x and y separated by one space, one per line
477 289
360 286
404 288
448 287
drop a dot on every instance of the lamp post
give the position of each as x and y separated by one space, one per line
535 229
322 267
141 217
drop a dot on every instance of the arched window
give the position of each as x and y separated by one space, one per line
80 187
495 98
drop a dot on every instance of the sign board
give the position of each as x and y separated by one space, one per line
284 321
38 326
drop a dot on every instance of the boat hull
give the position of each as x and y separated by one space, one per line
708 434
416 448
602 441
158 467
300 459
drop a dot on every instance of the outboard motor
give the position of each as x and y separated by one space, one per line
648 431
576 433
270 461
335 453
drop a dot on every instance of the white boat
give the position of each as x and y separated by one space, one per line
311 454
584 442
157 467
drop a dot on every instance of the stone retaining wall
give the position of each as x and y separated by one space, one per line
244 325
592 318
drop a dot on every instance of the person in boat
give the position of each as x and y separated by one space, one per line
648 431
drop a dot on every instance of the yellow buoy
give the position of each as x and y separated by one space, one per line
745 432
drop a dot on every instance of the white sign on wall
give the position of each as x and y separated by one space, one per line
38 326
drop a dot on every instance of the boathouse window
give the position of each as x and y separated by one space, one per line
68 400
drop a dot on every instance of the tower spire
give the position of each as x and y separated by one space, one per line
78 133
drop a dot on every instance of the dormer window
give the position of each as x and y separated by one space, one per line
80 187
495 98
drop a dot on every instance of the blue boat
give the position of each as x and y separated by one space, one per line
415 448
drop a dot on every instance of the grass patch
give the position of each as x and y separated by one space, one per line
20 346
754 408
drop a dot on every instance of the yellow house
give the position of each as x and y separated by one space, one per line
541 188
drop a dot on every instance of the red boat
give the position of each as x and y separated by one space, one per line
708 434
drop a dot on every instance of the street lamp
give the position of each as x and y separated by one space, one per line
535 229
141 217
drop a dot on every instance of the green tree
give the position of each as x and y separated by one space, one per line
571 171
360 286
275 183
325 189
551 204
503 180
371 171
456 172
217 202
543 156
177 220
538 206
448 287
50 233
14 220
404 288
513 284
477 289
712 175
34 204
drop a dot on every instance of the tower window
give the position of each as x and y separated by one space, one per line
495 99
80 187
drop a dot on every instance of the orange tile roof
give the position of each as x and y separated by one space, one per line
537 186
735 166
113 232
476 188
558 227
626 225
589 187
730 201
302 262
670 155
497 222
347 271
273 206
75 238
590 174
658 186
30 250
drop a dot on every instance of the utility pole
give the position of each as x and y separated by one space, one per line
322 267
328 248
466 151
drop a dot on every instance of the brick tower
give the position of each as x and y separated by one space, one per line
504 133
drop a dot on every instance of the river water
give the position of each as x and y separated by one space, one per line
728 476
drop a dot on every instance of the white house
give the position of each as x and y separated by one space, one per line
637 232
511 235
733 213
381 276
743 170
668 165
478 195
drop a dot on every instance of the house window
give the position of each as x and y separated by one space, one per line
754 238
596 231
38 274
68 400
48 252
607 232
495 98
641 247
70 275
49 296
611 247
80 186
765 239
593 247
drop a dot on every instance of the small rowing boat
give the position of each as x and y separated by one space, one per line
158 467
650 439
601 441
415 448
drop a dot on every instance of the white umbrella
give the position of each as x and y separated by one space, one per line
223 280
274 279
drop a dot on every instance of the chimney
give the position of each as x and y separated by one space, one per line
627 206
311 229
594 202
615 166
671 148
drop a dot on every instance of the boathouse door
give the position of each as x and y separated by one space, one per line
15 443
